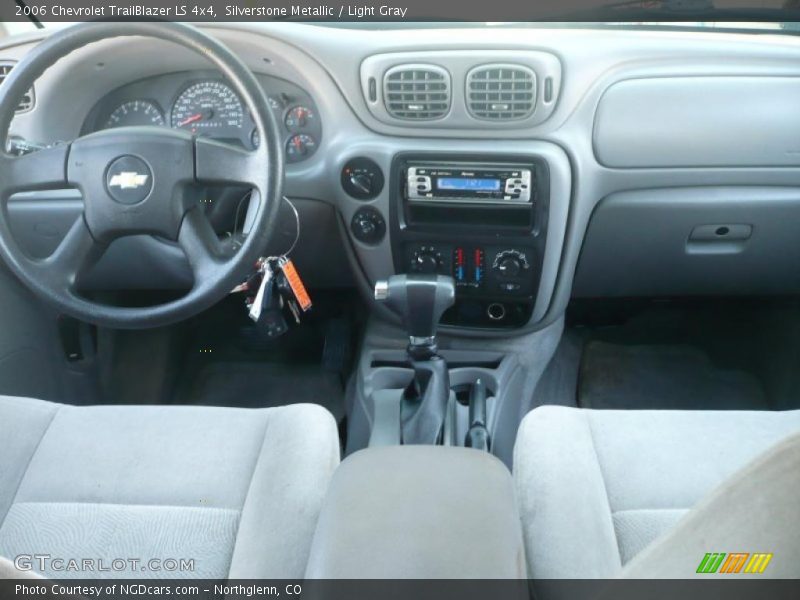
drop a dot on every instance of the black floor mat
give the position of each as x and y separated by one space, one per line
229 363
698 354
260 385
664 377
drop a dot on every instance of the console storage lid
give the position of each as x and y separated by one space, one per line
421 512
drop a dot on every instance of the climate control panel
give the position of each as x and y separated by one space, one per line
495 285
477 270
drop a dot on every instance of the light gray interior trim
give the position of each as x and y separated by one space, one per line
588 496
457 63
83 529
755 511
699 122
237 489
286 493
695 240
23 425
520 362
9 571
420 512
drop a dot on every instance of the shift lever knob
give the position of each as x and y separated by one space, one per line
420 300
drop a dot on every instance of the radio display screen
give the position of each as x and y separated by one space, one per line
468 184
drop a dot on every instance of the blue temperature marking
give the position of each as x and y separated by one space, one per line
460 273
478 274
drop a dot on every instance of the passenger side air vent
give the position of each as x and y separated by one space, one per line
28 99
501 92
417 92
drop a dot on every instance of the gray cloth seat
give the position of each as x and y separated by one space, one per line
596 487
237 491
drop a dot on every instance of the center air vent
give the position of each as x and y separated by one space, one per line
501 92
417 92
27 100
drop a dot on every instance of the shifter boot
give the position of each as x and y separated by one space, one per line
424 405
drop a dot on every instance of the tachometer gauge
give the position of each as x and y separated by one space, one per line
299 147
134 113
208 106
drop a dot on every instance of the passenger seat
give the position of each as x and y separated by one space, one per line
597 487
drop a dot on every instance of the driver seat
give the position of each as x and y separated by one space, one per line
237 491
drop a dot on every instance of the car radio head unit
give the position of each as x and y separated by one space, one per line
469 183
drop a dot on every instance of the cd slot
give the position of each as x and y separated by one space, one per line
477 201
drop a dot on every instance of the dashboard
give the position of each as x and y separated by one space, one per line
665 162
202 103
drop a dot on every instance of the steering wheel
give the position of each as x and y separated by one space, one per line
140 180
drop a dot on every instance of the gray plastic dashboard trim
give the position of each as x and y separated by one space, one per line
710 121
458 63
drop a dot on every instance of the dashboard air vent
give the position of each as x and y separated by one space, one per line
501 92
27 100
417 92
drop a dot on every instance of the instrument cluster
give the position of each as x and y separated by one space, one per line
205 105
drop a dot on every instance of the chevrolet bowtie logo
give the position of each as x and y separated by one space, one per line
128 180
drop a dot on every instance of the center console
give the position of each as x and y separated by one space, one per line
482 222
420 512
489 218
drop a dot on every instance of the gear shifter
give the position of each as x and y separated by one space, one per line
420 300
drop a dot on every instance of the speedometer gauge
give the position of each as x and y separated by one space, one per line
134 113
210 107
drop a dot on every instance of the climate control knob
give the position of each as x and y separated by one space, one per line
510 263
426 260
426 263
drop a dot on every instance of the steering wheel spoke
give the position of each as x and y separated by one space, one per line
200 244
221 163
44 169
76 253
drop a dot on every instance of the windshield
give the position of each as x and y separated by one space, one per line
13 28
754 26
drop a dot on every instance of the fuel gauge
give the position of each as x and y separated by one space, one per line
299 147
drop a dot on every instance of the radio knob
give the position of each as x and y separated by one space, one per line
510 263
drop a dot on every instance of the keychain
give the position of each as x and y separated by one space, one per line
270 318
264 270
278 286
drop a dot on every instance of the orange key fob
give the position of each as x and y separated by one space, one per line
298 289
